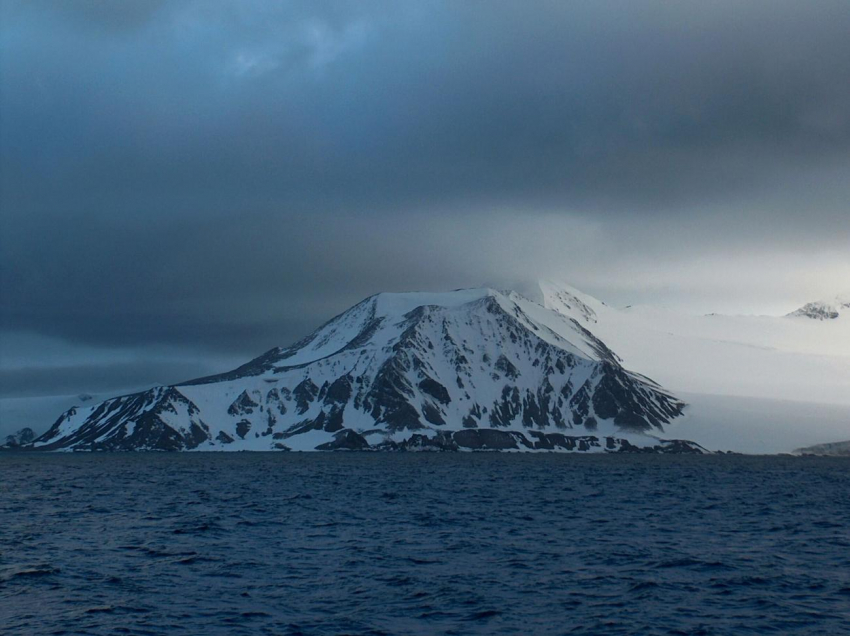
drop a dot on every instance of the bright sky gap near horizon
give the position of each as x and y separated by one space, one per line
186 184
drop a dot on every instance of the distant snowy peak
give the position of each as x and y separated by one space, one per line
461 369
570 301
833 449
823 309
20 438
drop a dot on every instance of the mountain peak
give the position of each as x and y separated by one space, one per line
824 309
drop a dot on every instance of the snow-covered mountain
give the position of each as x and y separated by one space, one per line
824 309
469 369
19 438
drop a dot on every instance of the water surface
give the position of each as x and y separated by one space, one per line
259 543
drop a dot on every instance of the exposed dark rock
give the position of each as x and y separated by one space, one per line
276 400
505 410
388 398
304 426
304 394
333 421
580 403
490 439
242 405
432 415
618 396
401 417
346 439
469 422
339 391
442 441
242 428
507 368
198 433
554 441
436 390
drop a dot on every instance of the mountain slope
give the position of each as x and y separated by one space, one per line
465 369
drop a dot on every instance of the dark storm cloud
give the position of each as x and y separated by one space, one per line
225 175
206 105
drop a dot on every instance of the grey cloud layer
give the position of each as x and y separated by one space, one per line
224 175
631 103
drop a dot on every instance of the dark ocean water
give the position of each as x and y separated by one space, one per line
423 544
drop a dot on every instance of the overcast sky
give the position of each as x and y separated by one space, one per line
186 184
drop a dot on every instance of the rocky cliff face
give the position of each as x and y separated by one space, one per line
469 369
